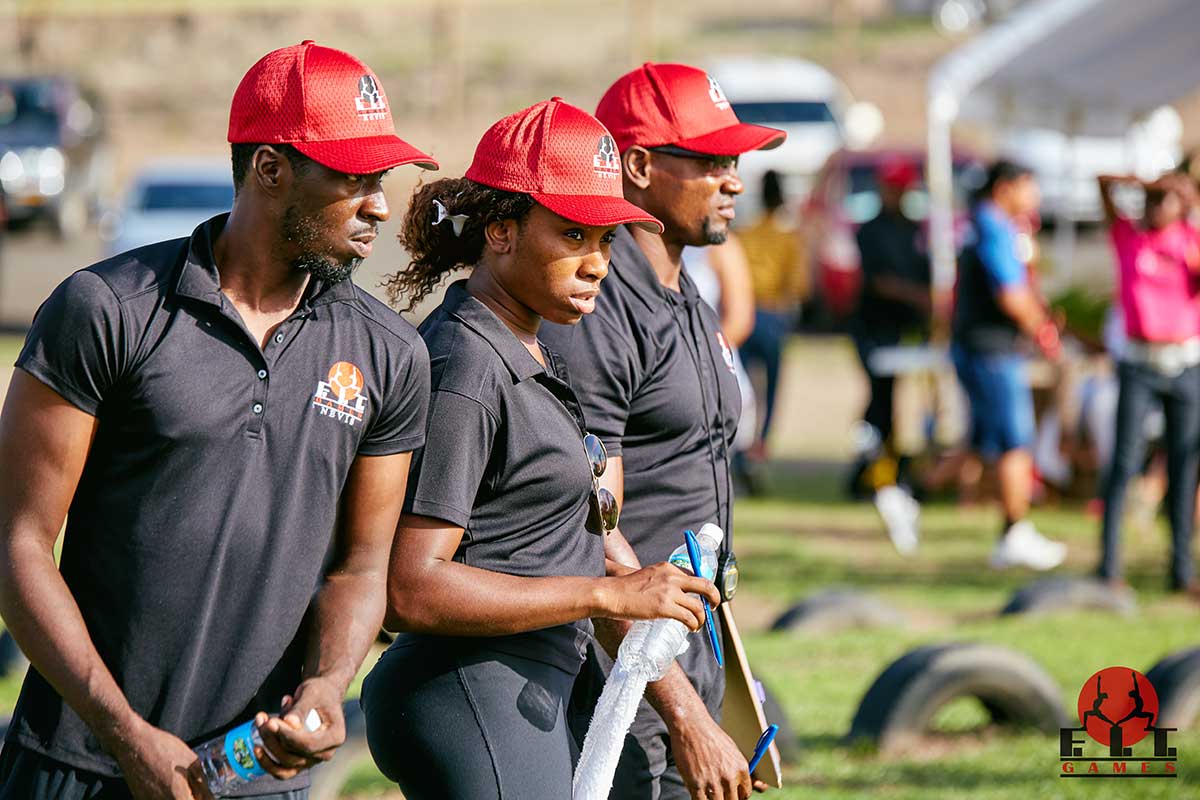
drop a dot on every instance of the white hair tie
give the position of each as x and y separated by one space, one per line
456 220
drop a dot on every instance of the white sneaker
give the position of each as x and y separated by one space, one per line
900 513
1023 546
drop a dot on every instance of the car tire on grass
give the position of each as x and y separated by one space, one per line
786 740
907 695
1176 679
838 610
1055 595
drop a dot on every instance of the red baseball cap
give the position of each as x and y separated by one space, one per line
661 104
325 103
564 158
899 172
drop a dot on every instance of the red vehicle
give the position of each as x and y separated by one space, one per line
843 197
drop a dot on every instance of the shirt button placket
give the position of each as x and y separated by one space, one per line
258 402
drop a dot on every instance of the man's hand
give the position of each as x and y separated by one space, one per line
709 762
160 766
290 746
1048 340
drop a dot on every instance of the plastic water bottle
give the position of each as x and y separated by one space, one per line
645 655
229 761
651 645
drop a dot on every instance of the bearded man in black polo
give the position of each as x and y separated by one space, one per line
655 376
229 422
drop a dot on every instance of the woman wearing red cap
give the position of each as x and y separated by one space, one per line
498 564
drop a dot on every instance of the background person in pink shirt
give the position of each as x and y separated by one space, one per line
1158 276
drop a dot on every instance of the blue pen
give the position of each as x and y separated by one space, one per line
764 743
693 548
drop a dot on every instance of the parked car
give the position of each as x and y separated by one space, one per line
167 200
54 159
796 96
844 196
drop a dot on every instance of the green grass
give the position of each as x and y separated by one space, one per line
10 346
799 541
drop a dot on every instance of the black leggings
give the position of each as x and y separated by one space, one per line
475 725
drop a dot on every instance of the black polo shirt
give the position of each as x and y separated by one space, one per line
655 377
196 538
891 245
504 460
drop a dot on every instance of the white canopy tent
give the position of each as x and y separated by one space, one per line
1083 67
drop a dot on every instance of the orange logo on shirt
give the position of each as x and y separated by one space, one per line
342 395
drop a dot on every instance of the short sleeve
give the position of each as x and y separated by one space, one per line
400 427
998 254
603 370
1121 232
446 475
1191 246
75 345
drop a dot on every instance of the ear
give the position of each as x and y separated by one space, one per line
636 163
271 169
500 236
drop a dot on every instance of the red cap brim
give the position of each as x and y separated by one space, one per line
734 140
597 210
365 156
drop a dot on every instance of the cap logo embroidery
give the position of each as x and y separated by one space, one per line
342 396
369 102
606 162
716 95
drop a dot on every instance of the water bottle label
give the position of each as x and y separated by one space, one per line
682 561
239 751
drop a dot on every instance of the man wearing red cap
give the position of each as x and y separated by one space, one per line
229 421
656 380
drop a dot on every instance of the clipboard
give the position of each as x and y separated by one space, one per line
742 714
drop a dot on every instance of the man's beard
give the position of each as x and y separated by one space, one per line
712 236
304 233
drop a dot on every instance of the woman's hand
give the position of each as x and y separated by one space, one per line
656 592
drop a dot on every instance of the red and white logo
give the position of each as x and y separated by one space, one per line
343 395
606 161
726 351
369 103
716 95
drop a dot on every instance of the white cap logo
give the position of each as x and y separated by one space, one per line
716 95
606 162
369 102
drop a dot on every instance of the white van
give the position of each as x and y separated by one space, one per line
796 96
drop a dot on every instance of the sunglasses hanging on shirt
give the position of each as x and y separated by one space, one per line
604 503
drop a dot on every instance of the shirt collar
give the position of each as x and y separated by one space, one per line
475 315
200 280
630 265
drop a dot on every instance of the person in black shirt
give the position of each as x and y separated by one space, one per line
895 297
895 302
497 568
229 421
655 375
